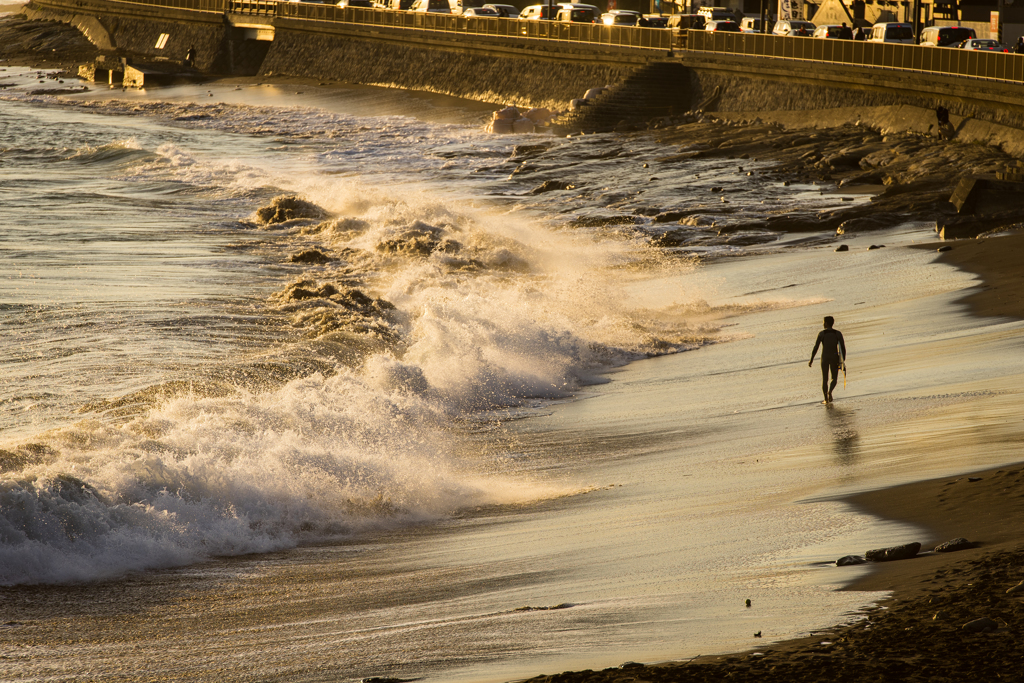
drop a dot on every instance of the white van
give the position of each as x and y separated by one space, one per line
431 6
892 32
569 11
753 25
717 14
537 12
946 36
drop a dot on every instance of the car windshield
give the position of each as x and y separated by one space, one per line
582 15
899 33
986 43
948 36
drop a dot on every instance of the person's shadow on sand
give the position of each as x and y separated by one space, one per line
844 434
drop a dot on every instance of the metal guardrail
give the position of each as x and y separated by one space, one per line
260 7
594 34
994 66
218 6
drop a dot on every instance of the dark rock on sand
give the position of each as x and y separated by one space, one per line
954 545
982 625
849 560
843 247
310 256
899 552
287 208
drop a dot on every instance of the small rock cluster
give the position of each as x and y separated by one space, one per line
515 120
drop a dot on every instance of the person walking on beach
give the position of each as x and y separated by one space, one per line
833 356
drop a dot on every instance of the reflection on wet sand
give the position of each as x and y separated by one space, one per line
843 427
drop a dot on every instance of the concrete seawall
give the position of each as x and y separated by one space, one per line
506 70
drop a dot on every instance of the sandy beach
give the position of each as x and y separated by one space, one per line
925 402
929 629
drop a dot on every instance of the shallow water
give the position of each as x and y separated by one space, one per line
513 400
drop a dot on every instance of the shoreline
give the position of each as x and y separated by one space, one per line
993 259
917 632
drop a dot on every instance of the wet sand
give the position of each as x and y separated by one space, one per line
928 629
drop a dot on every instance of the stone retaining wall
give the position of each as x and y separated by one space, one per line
482 76
505 70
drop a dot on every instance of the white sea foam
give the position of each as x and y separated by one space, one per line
492 307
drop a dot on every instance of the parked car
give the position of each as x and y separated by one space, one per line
753 24
717 14
460 6
793 27
892 32
580 5
395 4
537 12
655 20
621 17
837 31
508 11
684 22
946 36
355 3
580 16
722 25
985 44
431 6
480 12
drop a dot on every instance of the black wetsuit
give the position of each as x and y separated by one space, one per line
832 344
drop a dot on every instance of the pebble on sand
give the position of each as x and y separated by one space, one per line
954 545
982 625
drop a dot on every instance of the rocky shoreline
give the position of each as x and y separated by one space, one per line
915 176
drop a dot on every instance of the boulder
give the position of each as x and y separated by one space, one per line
850 560
899 552
501 126
540 115
523 126
310 256
508 113
287 208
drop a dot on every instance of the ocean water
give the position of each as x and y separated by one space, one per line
491 431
